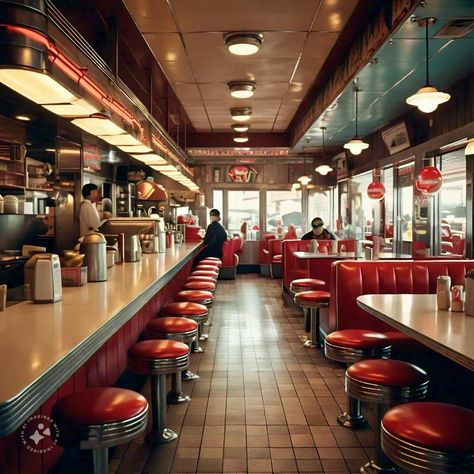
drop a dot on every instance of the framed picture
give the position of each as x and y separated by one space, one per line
396 138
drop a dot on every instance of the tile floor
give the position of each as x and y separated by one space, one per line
263 402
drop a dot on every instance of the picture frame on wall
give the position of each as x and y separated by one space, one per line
396 138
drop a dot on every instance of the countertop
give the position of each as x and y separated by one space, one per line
447 332
42 345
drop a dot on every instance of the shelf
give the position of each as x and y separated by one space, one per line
45 190
11 186
2 158
16 173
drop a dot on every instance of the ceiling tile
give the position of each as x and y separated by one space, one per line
333 15
177 71
216 91
151 15
245 15
187 92
319 44
166 46
307 70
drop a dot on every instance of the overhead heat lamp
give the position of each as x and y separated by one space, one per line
356 145
428 97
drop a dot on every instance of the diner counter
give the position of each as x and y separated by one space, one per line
42 345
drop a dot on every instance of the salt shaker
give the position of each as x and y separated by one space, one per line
469 296
443 286
457 298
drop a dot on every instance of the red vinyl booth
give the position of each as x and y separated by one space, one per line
293 268
230 260
351 278
274 253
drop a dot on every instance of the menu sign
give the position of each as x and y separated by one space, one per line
91 157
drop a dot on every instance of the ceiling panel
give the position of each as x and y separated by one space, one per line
307 70
318 44
177 71
187 92
217 91
232 15
151 15
333 15
166 46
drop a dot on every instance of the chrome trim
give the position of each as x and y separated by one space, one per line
185 336
350 355
383 394
417 459
298 289
157 366
198 318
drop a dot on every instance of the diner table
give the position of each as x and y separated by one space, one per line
449 333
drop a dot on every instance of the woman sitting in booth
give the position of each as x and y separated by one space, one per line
318 232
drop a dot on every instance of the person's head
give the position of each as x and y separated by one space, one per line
317 225
215 215
90 191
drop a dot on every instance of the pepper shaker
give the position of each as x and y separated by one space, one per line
443 287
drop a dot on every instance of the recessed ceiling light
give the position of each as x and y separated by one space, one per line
51 150
241 138
241 114
243 43
240 127
24 118
242 89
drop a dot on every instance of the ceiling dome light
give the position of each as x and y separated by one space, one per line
241 114
23 118
428 97
242 89
304 180
323 169
356 146
240 127
243 43
470 147
241 138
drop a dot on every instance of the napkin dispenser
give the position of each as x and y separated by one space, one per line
43 275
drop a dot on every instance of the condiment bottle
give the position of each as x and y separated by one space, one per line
443 286
457 298
469 296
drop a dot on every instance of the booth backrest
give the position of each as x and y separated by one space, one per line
350 279
263 257
228 259
293 267
274 248
325 246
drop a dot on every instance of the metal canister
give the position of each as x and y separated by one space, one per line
457 298
94 246
443 286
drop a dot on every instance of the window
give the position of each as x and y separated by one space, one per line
362 210
283 209
405 179
319 205
387 180
218 200
243 206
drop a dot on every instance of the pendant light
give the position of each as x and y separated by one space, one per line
240 127
305 179
356 145
242 89
428 97
241 114
243 43
470 147
323 169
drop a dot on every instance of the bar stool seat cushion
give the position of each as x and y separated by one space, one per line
158 349
171 325
200 278
199 285
432 425
308 283
208 273
387 372
193 295
210 262
207 268
358 339
214 259
97 406
313 296
185 308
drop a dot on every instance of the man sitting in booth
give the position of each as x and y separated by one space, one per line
214 238
318 232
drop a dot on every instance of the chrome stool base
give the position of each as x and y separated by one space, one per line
161 437
309 343
353 422
204 337
187 375
372 468
175 398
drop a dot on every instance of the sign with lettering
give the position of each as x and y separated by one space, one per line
91 157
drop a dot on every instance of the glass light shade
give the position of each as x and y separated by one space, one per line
470 147
135 148
427 99
323 169
74 109
240 127
295 186
164 168
241 117
98 126
36 86
242 94
356 146
241 139
304 180
242 89
243 44
123 140
151 159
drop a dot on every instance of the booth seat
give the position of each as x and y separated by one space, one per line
263 252
351 278
230 260
274 257
292 267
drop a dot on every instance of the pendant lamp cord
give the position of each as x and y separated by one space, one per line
357 108
426 52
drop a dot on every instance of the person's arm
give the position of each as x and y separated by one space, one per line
210 236
90 216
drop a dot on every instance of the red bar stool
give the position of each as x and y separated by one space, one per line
306 284
208 268
208 261
158 358
207 279
98 418
385 383
195 311
206 273
177 329
214 259
198 296
429 437
349 346
313 301
200 285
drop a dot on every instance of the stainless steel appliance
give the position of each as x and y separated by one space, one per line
94 246
43 275
133 251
